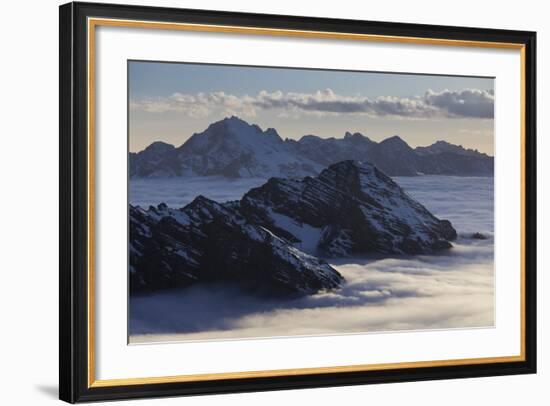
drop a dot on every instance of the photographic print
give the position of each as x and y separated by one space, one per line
276 202
237 186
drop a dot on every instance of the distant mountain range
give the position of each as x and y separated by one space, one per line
273 240
234 148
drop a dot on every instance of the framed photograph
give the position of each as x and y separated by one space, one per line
257 202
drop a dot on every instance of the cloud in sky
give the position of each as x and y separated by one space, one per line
466 103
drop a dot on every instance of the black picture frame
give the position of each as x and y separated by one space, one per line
74 385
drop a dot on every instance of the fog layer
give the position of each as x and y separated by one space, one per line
452 290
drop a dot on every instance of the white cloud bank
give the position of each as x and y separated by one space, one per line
395 294
466 103
452 290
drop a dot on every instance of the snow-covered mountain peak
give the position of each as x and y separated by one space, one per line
350 208
234 129
234 148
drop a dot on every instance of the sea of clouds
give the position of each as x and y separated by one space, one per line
454 289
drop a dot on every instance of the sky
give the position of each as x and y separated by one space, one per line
171 101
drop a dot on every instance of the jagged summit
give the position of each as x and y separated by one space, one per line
234 119
237 126
356 135
233 148
350 208
357 140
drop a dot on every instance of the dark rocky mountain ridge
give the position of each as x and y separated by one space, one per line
233 148
209 242
273 240
351 208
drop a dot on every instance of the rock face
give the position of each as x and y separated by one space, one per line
270 242
351 208
209 242
234 148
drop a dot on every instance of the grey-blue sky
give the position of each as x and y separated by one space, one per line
296 102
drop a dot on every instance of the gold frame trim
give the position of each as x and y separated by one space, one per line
94 22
